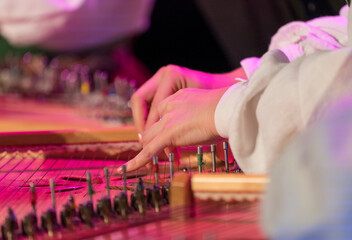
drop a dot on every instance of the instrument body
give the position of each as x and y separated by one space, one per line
215 206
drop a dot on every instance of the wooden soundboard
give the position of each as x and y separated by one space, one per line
43 123
21 115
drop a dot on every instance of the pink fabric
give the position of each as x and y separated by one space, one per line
298 38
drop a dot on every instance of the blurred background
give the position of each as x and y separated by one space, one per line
207 34
93 54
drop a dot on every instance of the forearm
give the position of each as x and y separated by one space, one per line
198 79
230 78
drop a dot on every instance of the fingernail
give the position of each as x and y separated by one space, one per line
119 170
149 166
140 137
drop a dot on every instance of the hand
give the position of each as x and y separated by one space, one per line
187 119
167 81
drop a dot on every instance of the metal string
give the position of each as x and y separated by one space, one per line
13 180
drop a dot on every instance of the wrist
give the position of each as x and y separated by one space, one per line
217 95
226 107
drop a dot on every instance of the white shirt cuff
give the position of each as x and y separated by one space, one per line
226 107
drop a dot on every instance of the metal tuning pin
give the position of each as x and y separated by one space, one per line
107 180
52 191
154 198
49 219
200 159
171 160
153 195
124 176
30 225
9 229
226 146
90 187
121 201
71 202
68 215
33 197
49 222
138 197
104 208
86 213
213 158
86 210
156 170
30 221
165 189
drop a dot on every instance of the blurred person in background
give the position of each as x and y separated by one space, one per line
99 33
98 30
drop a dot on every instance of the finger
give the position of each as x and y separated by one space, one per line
161 94
139 113
154 130
145 156
140 100
165 109
171 79
173 101
149 166
177 157
166 105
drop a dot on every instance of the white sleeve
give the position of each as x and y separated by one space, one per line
298 38
66 25
281 99
228 102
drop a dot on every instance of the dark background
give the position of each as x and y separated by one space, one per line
214 35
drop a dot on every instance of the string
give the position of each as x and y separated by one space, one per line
24 203
45 170
13 180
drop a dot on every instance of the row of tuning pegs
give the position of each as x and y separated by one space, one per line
235 169
140 201
107 209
